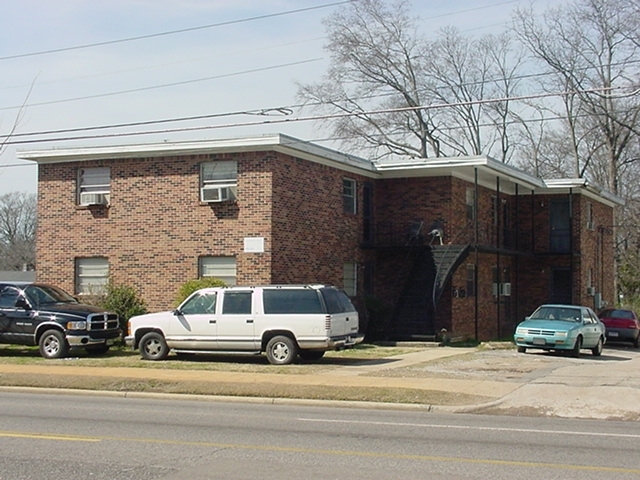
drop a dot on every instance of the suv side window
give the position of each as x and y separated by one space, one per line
200 304
291 301
237 303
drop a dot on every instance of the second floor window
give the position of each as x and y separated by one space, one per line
349 195
94 186
218 181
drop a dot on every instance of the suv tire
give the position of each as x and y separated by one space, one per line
281 350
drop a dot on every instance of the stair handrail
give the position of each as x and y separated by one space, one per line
441 262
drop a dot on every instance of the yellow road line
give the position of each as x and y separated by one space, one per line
353 453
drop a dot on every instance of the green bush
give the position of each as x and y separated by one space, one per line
192 285
123 300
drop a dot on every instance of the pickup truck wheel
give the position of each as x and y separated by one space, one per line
52 344
311 355
153 347
281 350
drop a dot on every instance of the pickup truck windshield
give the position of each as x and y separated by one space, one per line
43 294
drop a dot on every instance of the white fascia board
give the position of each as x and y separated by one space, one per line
463 168
582 185
280 143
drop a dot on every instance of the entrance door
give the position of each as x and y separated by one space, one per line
561 286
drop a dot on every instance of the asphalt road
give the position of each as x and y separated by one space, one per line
108 437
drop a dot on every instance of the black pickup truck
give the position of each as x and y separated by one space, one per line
44 315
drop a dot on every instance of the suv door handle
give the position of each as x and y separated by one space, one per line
249 320
212 321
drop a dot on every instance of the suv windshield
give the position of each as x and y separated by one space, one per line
46 294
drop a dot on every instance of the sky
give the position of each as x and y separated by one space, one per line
77 64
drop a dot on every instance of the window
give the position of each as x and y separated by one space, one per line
349 195
200 303
291 301
589 216
223 268
471 280
237 303
94 186
8 297
218 181
470 203
91 275
350 279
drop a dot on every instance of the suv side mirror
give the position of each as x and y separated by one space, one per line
21 302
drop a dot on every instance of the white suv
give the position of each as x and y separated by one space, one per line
283 321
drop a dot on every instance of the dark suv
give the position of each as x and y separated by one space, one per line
44 315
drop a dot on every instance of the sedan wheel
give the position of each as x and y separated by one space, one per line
597 350
575 352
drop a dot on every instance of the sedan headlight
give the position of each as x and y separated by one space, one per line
521 331
82 325
561 334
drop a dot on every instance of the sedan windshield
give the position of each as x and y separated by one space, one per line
556 313
44 294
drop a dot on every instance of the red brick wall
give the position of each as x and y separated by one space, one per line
312 235
155 228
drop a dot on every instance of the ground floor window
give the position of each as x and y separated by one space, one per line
92 275
223 268
350 279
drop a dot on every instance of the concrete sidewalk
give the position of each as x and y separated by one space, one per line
586 388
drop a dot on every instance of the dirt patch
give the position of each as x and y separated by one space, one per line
262 390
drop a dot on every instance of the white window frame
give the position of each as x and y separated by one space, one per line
470 203
350 279
589 215
92 275
349 195
96 180
222 174
218 266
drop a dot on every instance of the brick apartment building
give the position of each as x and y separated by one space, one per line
466 244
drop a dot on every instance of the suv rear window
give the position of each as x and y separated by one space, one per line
291 301
337 301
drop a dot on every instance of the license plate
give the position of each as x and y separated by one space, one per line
613 334
539 341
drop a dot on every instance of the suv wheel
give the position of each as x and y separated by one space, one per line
153 347
281 350
52 344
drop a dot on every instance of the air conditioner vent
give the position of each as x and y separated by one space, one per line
93 198
211 194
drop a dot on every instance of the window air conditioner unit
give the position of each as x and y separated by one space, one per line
212 194
505 289
590 225
591 291
93 198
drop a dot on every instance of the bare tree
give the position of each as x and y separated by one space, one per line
590 49
17 230
390 90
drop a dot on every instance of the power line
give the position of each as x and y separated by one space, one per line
318 117
164 85
174 32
